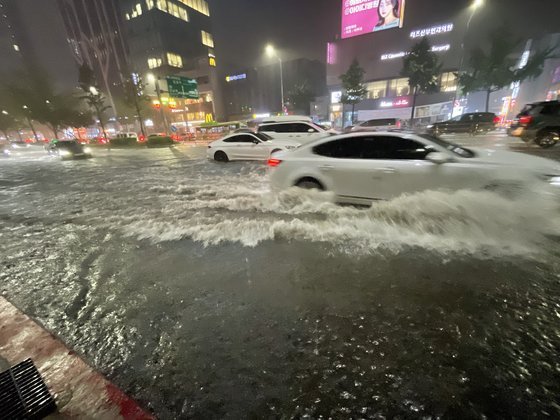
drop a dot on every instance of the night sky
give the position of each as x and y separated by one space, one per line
301 28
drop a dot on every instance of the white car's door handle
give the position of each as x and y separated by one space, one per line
326 167
387 170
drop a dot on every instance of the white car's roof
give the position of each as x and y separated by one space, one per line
286 118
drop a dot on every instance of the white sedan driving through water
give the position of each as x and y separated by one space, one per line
362 167
247 146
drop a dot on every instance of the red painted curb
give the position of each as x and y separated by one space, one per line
80 391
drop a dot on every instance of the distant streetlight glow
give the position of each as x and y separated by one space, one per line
478 3
151 78
4 112
270 50
93 90
25 107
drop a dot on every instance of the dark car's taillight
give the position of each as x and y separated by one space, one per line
497 120
525 120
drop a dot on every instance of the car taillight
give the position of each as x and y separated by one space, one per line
497 120
273 163
398 125
525 120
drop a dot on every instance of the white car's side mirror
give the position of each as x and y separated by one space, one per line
310 130
438 158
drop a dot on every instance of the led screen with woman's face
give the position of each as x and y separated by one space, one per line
361 17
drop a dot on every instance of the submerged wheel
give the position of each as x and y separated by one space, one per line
548 139
310 184
221 157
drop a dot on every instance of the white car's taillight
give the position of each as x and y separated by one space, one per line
273 163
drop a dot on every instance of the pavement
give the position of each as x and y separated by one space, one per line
201 294
80 392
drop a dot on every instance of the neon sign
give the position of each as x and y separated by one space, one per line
236 77
400 54
435 30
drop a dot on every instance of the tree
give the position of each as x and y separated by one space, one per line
422 68
135 98
300 96
352 83
93 96
497 67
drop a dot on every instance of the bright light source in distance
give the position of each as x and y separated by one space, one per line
270 51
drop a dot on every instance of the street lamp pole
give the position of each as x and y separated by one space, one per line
271 52
474 7
155 79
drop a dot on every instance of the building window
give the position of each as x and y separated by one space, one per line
162 5
174 60
376 90
399 87
207 39
154 62
149 4
448 82
198 5
136 11
212 61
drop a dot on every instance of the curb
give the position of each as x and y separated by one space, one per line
80 391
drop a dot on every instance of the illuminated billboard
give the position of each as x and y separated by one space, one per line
360 17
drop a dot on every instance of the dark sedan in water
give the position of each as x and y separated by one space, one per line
473 123
68 149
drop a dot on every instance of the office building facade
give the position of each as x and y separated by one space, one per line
174 38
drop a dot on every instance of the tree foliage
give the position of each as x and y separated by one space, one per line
353 84
496 67
32 96
422 68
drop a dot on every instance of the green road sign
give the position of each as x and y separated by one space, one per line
182 87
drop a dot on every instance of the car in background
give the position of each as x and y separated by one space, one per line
362 167
473 123
127 135
5 150
378 124
538 123
20 144
68 149
247 146
302 130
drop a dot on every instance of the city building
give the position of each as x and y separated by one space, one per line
95 36
32 38
381 46
174 38
249 93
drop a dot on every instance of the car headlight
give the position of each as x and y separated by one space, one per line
430 126
64 153
554 180
87 150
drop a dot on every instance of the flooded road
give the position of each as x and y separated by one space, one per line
204 295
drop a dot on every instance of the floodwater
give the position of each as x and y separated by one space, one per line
204 295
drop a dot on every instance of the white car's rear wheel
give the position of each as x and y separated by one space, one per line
310 184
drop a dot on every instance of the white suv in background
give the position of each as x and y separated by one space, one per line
300 129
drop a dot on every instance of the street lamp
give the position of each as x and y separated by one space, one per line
155 80
93 90
5 112
477 4
271 53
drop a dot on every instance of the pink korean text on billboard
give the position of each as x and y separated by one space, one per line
361 17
